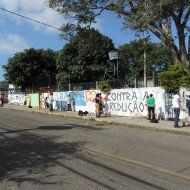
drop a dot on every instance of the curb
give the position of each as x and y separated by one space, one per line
105 122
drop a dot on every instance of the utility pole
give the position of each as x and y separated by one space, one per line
69 81
189 49
145 79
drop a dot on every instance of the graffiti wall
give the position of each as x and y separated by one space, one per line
81 100
131 101
121 102
16 99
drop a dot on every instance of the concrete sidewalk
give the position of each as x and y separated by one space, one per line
136 122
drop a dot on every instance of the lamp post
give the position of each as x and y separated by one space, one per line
145 78
189 48
69 81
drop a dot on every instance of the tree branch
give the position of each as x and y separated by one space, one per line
186 17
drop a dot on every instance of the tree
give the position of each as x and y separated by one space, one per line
84 58
4 86
158 59
176 71
156 16
26 69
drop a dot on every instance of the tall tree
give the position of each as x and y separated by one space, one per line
158 58
4 86
84 58
26 69
158 16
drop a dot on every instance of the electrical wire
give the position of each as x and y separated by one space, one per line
30 19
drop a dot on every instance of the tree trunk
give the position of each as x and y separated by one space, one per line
182 50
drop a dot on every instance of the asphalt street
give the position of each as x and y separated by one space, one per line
43 152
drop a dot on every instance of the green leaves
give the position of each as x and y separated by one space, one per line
104 86
158 58
85 57
27 68
156 16
177 76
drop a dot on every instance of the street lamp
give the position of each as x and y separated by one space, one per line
69 81
145 78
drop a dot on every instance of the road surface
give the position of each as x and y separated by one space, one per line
44 152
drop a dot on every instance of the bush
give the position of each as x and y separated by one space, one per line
176 76
104 86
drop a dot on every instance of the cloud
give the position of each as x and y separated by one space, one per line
12 43
36 10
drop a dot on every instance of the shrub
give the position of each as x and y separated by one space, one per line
176 76
104 86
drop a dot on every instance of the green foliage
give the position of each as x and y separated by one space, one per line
26 69
4 86
176 76
104 86
157 16
84 58
158 58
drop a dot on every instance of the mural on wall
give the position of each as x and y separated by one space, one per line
121 102
16 99
168 105
90 97
60 100
131 102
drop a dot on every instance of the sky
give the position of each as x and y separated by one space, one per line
17 33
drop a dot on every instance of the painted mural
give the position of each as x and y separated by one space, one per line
121 102
78 97
16 99
131 102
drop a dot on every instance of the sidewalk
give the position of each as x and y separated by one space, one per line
135 122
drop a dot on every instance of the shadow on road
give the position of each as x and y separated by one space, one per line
27 157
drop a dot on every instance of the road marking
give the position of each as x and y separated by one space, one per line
154 168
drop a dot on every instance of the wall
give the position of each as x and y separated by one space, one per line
83 100
16 99
131 101
120 102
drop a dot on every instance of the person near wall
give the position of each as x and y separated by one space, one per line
69 100
147 107
72 103
1 100
188 104
46 104
25 99
150 101
176 107
29 101
51 102
97 105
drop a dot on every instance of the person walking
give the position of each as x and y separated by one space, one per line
176 107
150 101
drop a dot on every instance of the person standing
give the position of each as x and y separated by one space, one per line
46 105
69 103
72 103
51 102
150 101
98 105
188 104
1 100
176 108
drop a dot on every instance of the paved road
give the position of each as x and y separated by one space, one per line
41 152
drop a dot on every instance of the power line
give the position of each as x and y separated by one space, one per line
30 19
